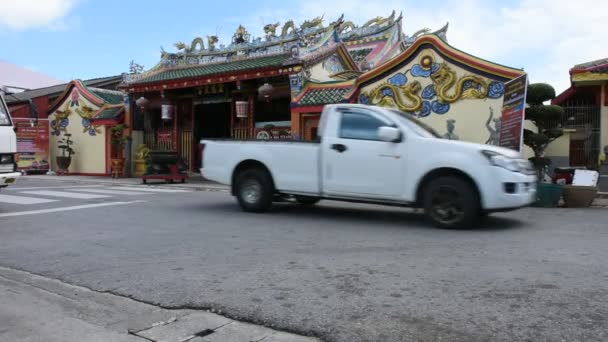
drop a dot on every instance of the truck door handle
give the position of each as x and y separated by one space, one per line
338 147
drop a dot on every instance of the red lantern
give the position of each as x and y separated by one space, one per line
241 109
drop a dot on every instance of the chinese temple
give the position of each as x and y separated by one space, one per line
275 86
86 113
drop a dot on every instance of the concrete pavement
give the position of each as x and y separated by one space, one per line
338 271
36 309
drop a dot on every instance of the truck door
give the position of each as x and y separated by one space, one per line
357 163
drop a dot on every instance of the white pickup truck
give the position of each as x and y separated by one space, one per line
8 147
375 155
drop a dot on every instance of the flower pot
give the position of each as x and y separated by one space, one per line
118 166
579 196
63 163
140 167
548 195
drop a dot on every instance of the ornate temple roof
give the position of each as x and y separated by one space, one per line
110 102
182 72
598 66
373 43
316 94
594 71
466 61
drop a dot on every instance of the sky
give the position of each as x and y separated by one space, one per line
70 39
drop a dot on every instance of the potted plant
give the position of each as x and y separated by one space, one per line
141 157
65 159
118 141
547 119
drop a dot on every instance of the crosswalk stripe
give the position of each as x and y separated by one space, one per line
64 194
145 189
23 200
112 192
62 209
19 188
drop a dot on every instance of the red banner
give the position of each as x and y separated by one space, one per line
513 114
32 144
166 136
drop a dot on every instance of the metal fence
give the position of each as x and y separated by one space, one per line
186 147
585 141
154 143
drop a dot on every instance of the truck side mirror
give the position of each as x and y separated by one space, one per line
389 134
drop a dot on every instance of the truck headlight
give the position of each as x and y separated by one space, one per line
500 160
6 159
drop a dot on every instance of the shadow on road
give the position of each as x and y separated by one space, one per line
329 211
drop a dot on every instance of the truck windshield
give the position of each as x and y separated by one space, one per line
416 125
5 119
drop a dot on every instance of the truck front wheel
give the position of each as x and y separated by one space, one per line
254 190
451 202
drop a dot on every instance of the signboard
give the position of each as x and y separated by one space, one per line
513 114
279 130
32 145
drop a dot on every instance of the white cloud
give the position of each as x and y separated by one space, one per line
21 15
545 37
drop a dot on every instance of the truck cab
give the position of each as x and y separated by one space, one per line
8 147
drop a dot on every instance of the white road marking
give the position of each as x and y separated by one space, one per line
76 207
107 191
64 194
12 188
146 189
23 200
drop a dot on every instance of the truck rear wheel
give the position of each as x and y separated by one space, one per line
254 190
451 202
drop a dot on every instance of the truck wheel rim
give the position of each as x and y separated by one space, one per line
252 191
446 205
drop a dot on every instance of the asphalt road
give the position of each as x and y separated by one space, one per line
341 272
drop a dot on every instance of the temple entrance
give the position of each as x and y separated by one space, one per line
211 121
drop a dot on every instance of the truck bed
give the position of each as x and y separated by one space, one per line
292 164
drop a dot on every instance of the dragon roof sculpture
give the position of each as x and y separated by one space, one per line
280 38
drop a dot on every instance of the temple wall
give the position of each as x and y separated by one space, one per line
438 91
89 141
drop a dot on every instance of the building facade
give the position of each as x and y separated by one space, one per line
276 86
86 113
30 110
585 117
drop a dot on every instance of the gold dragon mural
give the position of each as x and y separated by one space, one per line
429 87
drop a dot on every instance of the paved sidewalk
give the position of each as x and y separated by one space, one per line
35 308
195 182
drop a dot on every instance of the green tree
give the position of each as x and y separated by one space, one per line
546 118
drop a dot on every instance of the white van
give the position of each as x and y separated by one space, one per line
8 147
